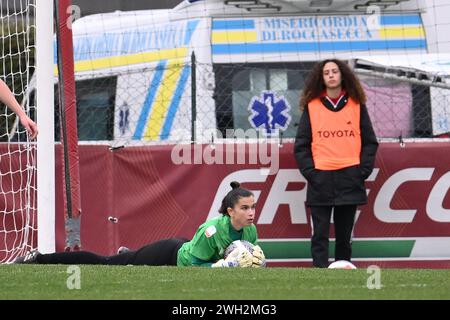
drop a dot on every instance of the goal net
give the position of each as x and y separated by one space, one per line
18 192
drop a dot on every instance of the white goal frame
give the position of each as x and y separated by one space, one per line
45 121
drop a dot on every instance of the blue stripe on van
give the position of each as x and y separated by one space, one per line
143 117
176 99
190 28
233 24
315 46
401 20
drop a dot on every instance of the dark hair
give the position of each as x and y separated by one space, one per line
314 84
233 197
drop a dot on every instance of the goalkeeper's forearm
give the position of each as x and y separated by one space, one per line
196 262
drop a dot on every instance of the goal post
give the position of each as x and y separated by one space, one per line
45 120
68 124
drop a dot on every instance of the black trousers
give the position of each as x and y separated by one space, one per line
344 218
160 253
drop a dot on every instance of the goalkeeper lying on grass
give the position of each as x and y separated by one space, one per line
206 248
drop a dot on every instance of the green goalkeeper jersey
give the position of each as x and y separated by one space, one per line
211 240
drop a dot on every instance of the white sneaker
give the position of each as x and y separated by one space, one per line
30 257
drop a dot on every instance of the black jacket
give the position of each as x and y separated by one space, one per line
335 187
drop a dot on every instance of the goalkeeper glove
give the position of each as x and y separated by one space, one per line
222 263
259 260
229 262
245 259
236 258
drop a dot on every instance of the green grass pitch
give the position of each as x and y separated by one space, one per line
171 283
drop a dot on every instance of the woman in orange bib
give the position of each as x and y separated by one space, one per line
335 151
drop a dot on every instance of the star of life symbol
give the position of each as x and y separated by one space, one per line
269 113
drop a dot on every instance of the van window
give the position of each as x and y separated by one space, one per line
239 86
95 109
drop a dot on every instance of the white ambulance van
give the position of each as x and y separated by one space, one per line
134 70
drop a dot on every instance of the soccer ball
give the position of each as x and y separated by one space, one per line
241 244
342 264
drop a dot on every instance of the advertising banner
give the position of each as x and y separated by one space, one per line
136 195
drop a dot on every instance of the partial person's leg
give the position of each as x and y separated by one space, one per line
344 218
321 216
74 257
160 253
124 258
